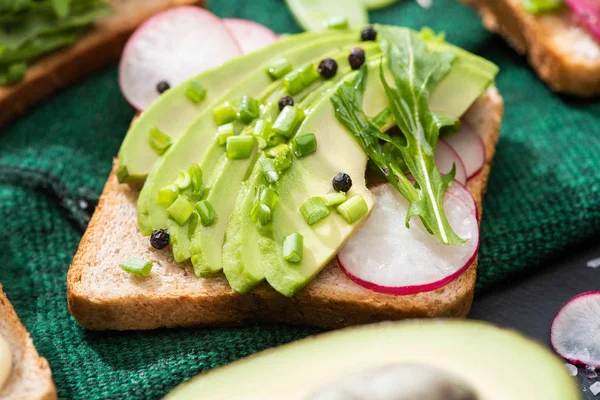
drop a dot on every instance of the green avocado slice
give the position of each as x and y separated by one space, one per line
490 361
136 157
314 15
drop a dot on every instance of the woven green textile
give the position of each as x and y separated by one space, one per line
544 195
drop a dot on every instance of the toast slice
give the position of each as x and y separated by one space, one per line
94 51
30 378
102 296
563 53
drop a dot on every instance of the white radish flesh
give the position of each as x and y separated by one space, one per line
469 147
386 257
172 46
250 35
575 331
445 158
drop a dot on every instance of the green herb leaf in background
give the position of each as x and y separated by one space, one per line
541 6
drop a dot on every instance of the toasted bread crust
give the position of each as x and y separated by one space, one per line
555 61
91 53
101 296
32 381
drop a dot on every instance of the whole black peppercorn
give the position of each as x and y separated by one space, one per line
328 68
342 182
159 239
368 34
356 58
285 101
162 86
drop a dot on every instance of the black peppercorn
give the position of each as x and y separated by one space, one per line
368 34
162 86
342 182
328 68
159 239
285 101
356 58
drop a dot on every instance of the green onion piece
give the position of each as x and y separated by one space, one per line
224 132
263 133
293 82
309 74
183 181
288 121
333 199
353 209
293 247
193 223
280 148
536 7
269 196
239 147
267 166
249 109
205 193
207 212
336 23
180 210
279 69
195 174
314 209
304 144
159 141
137 267
122 173
263 214
195 92
283 161
167 195
224 113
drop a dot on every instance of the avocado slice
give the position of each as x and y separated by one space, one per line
136 157
490 362
315 15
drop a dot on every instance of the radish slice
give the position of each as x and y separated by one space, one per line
588 13
386 257
250 35
172 46
469 147
575 331
445 157
462 193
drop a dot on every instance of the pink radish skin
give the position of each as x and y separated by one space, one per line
386 257
469 147
575 333
172 46
588 13
445 157
251 36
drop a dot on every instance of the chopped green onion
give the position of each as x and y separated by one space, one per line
196 92
167 195
314 209
207 212
293 82
183 181
263 133
536 7
279 69
193 223
137 267
263 214
224 132
265 201
267 166
239 147
224 113
195 174
288 121
159 141
283 161
309 74
353 209
333 199
249 109
280 148
336 23
180 210
293 247
304 144
122 173
205 193
269 196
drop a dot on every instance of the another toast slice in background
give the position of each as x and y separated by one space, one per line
561 51
30 378
92 52
102 296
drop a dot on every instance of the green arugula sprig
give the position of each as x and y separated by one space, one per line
415 72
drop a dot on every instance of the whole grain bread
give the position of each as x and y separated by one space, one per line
30 378
102 296
94 51
561 51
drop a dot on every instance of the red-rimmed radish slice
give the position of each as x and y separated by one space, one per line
461 192
251 36
386 257
172 46
445 157
575 330
469 147
588 12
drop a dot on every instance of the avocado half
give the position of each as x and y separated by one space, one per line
425 360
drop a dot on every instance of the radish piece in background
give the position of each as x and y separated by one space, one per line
250 35
172 46
575 330
588 13
386 257
469 147
445 157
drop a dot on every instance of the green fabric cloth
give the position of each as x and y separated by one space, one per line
543 196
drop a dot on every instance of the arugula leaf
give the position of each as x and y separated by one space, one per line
62 8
